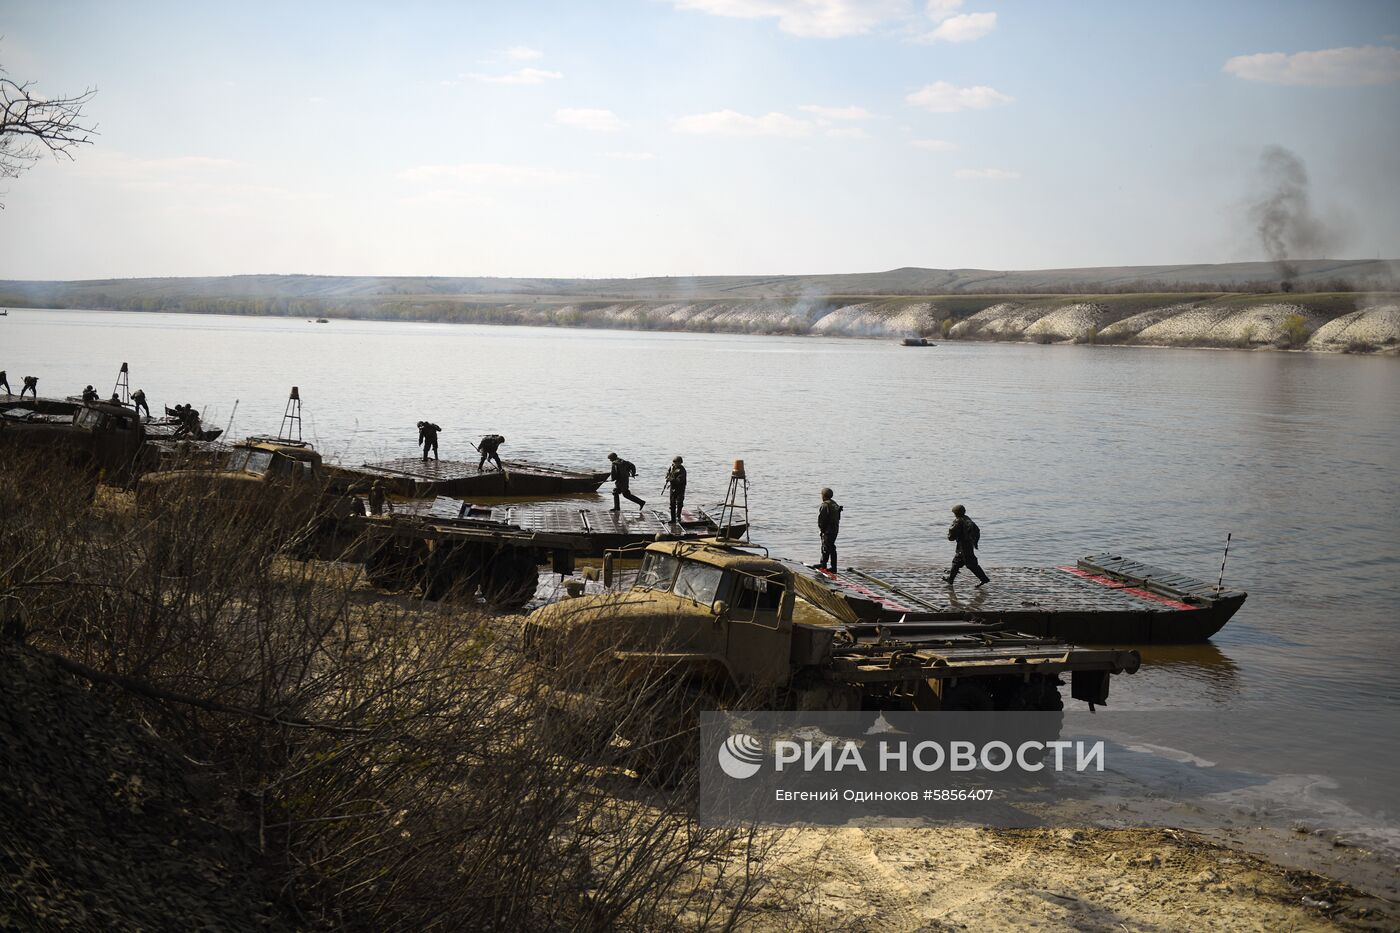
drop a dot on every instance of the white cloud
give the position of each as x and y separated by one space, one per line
519 76
822 19
521 53
1348 67
631 156
847 132
942 97
732 123
473 173
586 118
964 27
993 174
837 113
933 145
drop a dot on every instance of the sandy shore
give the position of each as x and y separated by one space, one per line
982 879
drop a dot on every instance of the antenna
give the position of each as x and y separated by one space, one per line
291 418
1220 584
736 501
123 387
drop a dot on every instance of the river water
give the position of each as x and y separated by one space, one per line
1057 452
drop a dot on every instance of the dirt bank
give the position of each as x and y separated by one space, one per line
978 879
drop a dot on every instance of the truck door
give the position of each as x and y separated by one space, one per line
760 638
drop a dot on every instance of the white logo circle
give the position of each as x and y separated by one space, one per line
741 756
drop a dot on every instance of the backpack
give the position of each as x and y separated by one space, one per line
974 534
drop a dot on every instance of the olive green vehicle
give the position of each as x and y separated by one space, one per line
269 476
727 621
100 437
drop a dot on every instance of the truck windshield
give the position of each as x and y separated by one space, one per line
253 461
658 570
699 582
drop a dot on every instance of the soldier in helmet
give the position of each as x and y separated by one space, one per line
31 385
4 381
829 524
965 533
428 437
621 473
675 480
138 399
488 448
89 394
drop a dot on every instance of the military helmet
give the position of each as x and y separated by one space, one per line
677 460
959 511
612 456
826 492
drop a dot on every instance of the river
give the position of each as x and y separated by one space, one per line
1056 451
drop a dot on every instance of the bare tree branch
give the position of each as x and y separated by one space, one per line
32 124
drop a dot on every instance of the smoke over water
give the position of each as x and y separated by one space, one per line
1283 215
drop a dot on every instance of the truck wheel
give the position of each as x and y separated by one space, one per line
967 697
453 571
510 579
394 565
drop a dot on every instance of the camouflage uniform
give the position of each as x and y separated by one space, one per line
427 436
966 534
675 478
829 524
488 447
622 473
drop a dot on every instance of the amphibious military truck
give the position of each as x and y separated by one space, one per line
728 621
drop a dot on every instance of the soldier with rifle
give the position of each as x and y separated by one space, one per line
829 524
675 480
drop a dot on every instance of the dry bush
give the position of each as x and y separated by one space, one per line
397 764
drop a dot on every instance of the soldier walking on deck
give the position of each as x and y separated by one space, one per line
138 400
427 436
488 447
829 524
622 473
965 532
31 385
675 479
5 382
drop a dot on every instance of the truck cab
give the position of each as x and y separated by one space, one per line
102 436
271 472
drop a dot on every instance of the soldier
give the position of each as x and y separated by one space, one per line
138 400
427 436
89 394
829 524
5 382
376 498
622 473
31 385
488 447
965 532
675 479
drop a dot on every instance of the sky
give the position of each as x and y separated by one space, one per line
695 137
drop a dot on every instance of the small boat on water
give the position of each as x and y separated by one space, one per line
916 342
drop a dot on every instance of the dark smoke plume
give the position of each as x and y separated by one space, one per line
1283 216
